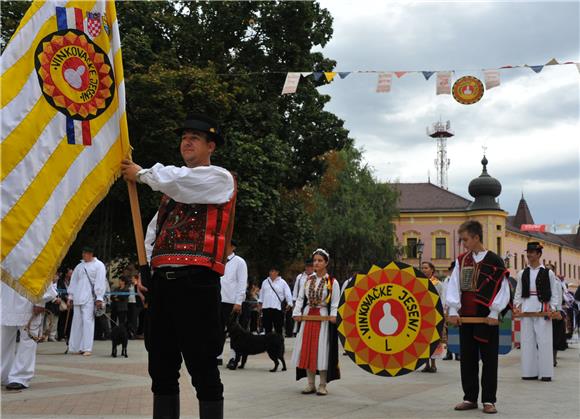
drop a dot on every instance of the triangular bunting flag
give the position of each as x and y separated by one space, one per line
491 78
552 62
317 75
344 75
427 74
536 68
291 83
400 74
306 73
329 75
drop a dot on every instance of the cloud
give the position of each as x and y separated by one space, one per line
529 123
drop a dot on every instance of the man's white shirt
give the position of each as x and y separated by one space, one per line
235 280
268 298
80 289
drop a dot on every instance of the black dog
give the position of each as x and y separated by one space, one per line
119 336
244 343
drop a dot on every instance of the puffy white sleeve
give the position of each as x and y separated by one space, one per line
242 281
335 298
101 281
501 300
74 283
197 185
296 288
288 294
518 292
556 289
49 295
299 301
261 295
453 293
150 237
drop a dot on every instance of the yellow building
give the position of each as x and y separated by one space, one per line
430 216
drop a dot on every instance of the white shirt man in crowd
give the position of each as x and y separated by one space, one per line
19 358
299 284
274 292
233 291
536 291
86 290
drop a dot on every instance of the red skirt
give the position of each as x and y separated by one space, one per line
309 350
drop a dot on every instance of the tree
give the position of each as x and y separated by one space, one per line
352 215
227 59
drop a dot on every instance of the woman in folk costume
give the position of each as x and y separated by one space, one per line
429 271
316 346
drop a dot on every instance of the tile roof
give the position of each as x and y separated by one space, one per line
427 197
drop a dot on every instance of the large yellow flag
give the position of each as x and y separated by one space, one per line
64 133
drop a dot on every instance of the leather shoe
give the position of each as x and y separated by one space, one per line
530 378
546 378
489 408
231 364
15 386
465 405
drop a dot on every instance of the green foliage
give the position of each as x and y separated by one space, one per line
228 60
353 215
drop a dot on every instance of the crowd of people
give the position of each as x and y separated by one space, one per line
191 255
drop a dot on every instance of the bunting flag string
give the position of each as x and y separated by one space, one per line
444 79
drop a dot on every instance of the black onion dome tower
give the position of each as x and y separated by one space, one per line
485 189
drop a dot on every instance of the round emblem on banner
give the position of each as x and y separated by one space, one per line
75 74
390 320
468 90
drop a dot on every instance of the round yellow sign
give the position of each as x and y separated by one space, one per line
390 320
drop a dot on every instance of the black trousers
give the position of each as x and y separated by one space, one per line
288 323
184 321
133 317
470 351
272 317
226 311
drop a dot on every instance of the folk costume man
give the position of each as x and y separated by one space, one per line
233 291
186 241
535 292
87 289
478 287
19 357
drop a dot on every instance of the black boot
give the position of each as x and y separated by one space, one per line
211 409
166 406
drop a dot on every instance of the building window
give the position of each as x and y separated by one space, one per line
516 261
412 248
441 248
498 228
499 245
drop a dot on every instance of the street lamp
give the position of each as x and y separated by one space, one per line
420 245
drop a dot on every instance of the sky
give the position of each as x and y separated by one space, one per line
530 124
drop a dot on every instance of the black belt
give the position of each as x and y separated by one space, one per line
170 273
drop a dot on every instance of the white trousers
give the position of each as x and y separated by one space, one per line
18 359
82 330
536 347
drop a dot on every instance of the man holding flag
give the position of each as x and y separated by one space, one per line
187 241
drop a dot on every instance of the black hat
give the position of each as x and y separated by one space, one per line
202 123
88 249
234 243
309 262
534 246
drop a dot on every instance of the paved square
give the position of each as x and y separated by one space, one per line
72 386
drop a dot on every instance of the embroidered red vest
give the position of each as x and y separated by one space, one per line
193 234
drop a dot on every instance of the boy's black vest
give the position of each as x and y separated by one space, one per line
543 290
